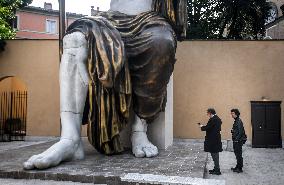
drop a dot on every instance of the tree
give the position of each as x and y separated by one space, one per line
227 19
7 14
203 18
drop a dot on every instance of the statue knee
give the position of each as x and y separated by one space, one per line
164 41
164 49
74 58
75 50
74 40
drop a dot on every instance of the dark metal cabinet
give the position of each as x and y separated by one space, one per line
266 124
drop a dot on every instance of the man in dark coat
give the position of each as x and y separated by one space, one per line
238 137
213 142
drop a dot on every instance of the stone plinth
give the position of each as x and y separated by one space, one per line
181 160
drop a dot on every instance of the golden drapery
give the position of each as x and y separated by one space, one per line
110 89
175 11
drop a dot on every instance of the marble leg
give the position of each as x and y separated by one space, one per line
74 81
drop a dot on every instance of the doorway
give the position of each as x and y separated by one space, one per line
13 109
266 124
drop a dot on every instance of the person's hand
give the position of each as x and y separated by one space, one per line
200 125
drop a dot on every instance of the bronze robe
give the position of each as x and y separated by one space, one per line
175 11
126 65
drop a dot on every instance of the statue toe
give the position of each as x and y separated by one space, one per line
150 151
28 165
138 152
42 163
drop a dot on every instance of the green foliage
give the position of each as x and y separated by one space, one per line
7 14
227 19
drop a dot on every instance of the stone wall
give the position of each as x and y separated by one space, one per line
215 74
224 75
36 63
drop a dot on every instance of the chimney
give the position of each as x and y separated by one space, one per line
94 12
47 6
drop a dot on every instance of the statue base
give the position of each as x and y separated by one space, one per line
182 163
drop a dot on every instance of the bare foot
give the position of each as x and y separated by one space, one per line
64 150
141 146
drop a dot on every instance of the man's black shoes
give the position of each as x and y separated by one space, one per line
215 172
218 172
238 170
234 168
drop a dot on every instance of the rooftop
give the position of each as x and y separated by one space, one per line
48 11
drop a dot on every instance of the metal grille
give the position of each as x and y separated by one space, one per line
13 115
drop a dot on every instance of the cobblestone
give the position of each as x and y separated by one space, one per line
262 166
37 182
29 141
183 163
183 159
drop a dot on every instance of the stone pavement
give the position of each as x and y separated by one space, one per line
262 166
182 163
29 141
37 182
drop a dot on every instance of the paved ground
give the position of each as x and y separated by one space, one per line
183 159
183 163
37 182
29 141
261 167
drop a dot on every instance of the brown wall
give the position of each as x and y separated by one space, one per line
224 75
215 74
12 84
36 64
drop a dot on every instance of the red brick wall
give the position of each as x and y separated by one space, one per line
33 25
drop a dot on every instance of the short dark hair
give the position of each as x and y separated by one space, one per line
211 111
236 111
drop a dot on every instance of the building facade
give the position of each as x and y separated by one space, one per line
40 23
275 22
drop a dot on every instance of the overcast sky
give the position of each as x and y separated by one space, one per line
76 6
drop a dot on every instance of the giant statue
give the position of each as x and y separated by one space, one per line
115 61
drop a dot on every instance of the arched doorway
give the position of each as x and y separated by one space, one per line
13 109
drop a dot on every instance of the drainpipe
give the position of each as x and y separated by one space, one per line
62 29
62 25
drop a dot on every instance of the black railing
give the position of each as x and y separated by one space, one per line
13 115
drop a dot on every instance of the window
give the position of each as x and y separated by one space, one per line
51 26
16 22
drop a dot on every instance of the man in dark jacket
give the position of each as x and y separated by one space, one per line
238 137
213 142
